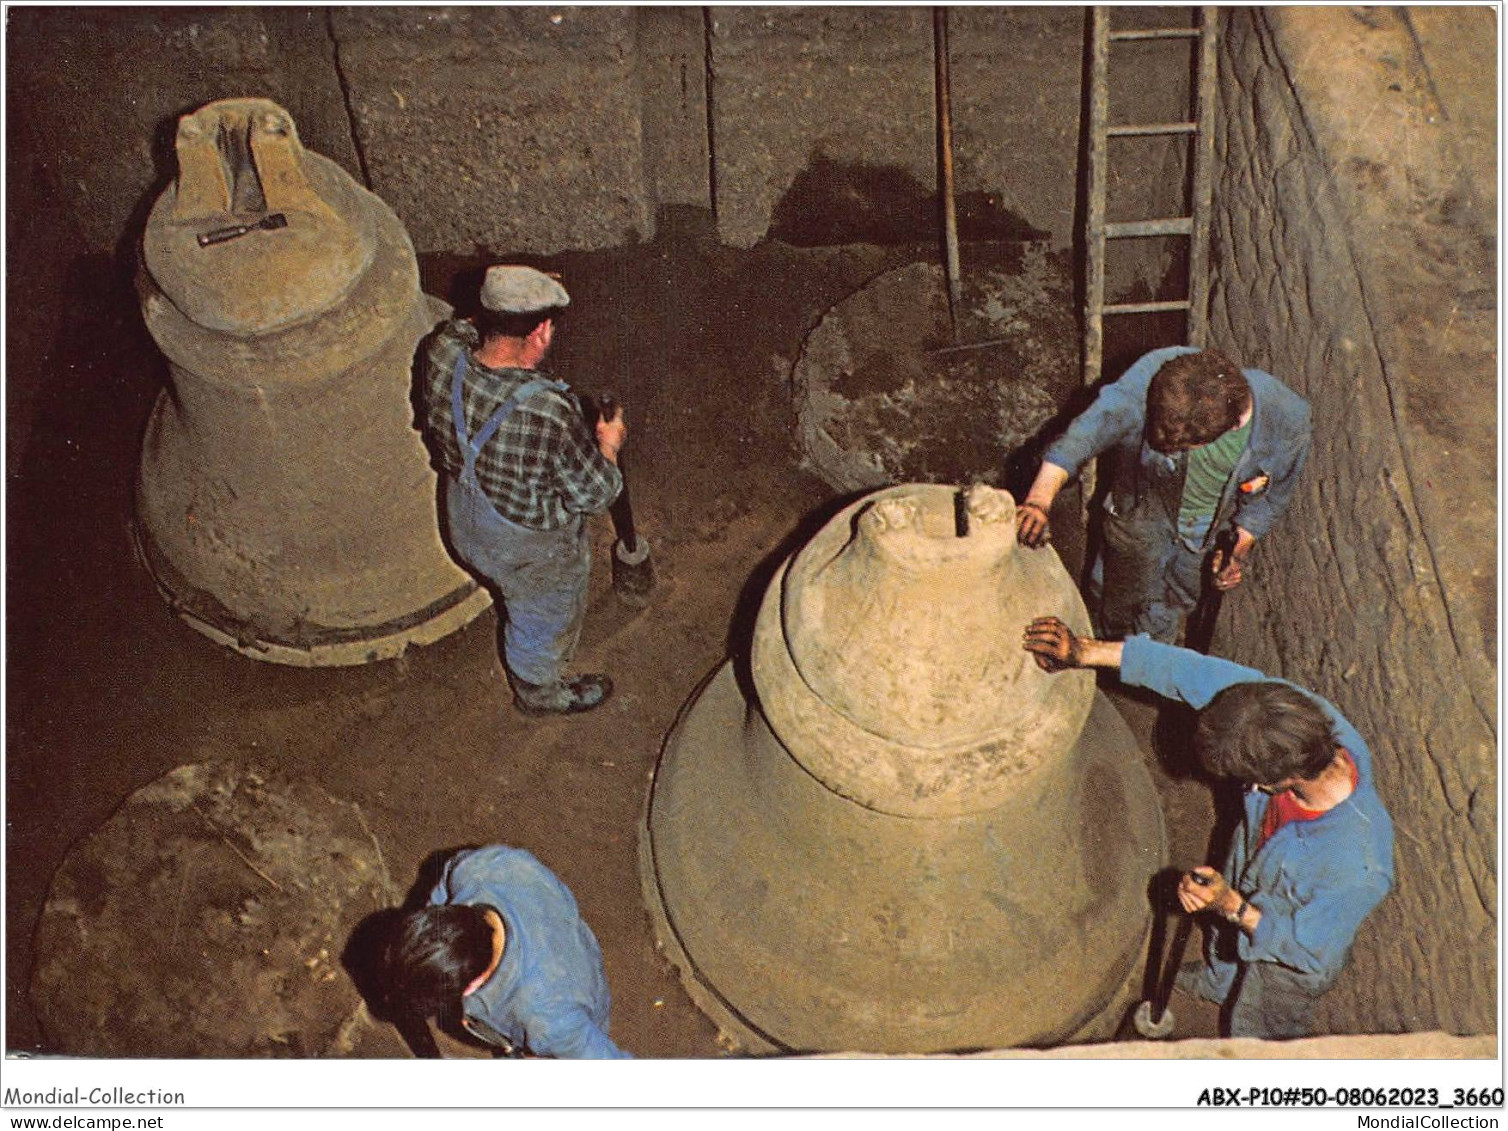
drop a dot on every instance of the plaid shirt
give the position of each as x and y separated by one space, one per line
543 465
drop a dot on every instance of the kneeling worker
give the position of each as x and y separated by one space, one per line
502 942
1314 853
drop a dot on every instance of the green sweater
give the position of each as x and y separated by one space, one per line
1210 465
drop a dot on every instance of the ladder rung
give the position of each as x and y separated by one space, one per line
1155 129
1145 307
1173 226
1155 33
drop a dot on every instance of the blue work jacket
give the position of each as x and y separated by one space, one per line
1147 481
549 992
1314 881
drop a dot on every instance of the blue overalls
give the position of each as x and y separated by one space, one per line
541 576
1152 562
1153 558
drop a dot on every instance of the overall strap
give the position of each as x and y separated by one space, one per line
470 447
505 410
457 377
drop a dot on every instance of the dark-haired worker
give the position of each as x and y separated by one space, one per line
1200 446
1314 851
503 945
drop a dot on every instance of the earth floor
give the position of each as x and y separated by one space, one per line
108 689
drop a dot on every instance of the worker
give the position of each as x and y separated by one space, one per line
522 471
1314 852
502 944
1200 446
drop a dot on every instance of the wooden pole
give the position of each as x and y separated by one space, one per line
945 165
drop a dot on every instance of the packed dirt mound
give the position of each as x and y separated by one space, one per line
206 918
884 394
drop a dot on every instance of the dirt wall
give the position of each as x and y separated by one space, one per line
94 96
533 129
500 127
509 128
845 96
1350 261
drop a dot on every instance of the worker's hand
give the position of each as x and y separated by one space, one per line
1032 528
1226 569
1214 893
1227 573
612 430
1053 645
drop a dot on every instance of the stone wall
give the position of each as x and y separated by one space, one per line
94 96
1349 260
513 129
537 130
507 128
847 95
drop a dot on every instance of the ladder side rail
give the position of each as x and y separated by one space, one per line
1202 186
1094 236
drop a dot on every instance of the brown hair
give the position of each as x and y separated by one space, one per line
1193 398
498 324
1261 733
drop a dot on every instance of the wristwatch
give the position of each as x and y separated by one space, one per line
1239 913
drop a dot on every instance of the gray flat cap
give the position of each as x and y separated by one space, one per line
521 290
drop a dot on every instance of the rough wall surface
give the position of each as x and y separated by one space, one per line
513 128
1349 261
672 49
791 87
531 129
509 128
97 93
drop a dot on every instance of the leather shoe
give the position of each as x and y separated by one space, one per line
565 697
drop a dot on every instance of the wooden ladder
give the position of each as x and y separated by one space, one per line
1195 226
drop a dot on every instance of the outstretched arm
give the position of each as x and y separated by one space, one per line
1174 673
1031 512
1055 648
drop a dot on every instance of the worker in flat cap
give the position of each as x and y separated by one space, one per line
522 471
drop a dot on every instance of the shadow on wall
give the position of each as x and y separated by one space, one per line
832 203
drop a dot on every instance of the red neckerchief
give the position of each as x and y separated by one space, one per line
1285 807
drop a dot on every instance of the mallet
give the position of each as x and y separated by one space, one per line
633 571
1153 1019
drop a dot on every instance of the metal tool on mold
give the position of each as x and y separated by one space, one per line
268 223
